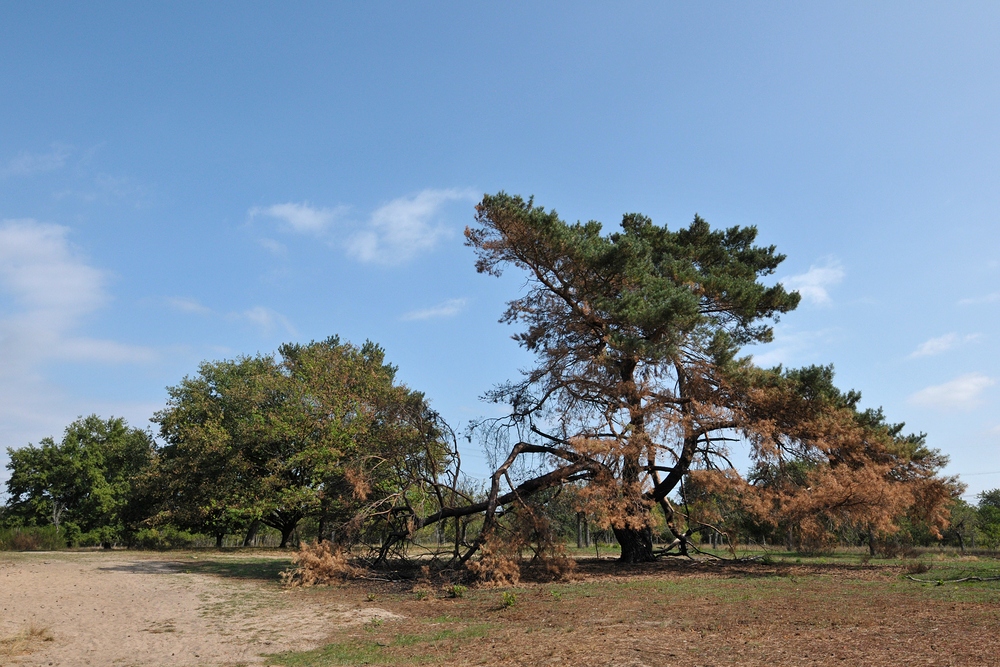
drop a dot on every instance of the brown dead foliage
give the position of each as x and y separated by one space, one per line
319 563
526 538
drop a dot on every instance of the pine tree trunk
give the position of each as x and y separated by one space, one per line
637 545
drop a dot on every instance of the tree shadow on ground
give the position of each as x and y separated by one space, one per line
268 570
258 570
593 568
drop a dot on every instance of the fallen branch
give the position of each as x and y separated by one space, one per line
951 581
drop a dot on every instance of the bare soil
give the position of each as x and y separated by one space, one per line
128 608
218 609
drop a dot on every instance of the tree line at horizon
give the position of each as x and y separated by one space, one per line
627 419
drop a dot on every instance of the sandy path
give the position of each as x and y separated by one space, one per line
126 609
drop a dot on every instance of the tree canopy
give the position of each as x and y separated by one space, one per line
641 386
638 382
319 430
85 485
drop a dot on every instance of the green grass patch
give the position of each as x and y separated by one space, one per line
398 650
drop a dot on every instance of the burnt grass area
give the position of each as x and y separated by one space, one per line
817 611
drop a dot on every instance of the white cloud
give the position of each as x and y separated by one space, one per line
107 351
53 290
46 292
448 308
274 247
394 233
267 320
401 229
813 284
26 164
186 305
791 347
941 344
962 393
977 300
302 218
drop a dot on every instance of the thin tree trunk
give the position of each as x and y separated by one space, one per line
218 540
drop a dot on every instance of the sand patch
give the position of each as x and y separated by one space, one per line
123 609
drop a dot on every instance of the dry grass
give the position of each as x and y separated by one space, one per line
744 614
26 641
319 564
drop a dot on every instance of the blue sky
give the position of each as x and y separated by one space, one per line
190 181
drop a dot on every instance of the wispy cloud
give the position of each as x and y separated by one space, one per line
403 228
392 234
978 300
267 320
47 291
53 289
186 305
791 347
276 248
941 344
962 393
813 285
26 163
448 308
302 218
264 319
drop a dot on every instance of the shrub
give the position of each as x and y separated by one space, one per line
31 538
917 568
164 538
508 599
496 566
318 563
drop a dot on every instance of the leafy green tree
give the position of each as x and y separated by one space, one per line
322 430
84 484
962 529
988 521
211 473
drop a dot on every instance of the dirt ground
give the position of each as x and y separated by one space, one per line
127 608
701 614
216 609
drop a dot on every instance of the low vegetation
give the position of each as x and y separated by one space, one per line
26 641
842 606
